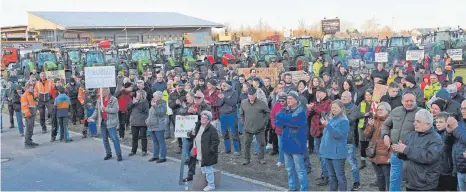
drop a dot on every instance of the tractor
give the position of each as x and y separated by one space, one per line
219 56
366 49
185 59
262 54
73 59
397 47
336 50
297 54
140 60
46 60
441 41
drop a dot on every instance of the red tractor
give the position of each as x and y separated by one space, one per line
220 55
9 56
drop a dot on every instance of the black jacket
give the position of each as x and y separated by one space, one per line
209 144
458 98
172 101
16 102
380 74
446 164
360 90
73 91
393 101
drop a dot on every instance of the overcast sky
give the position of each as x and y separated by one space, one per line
279 14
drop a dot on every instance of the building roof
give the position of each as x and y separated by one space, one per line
82 20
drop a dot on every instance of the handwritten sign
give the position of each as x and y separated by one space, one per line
100 77
243 41
184 125
381 57
298 76
379 91
276 65
272 73
414 55
59 74
354 63
455 54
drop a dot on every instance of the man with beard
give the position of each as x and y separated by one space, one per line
289 86
159 84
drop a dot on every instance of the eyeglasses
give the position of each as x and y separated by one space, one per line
197 97
281 101
463 109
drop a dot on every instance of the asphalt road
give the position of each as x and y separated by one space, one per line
79 166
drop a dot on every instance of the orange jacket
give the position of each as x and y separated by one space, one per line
41 89
81 95
27 102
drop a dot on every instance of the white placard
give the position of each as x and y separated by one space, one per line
100 77
381 57
243 41
52 75
455 54
354 62
184 125
414 55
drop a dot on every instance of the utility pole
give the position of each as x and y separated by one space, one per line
393 24
126 31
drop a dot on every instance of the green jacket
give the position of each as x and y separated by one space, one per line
431 90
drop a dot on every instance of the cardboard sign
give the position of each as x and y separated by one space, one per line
52 75
379 92
354 63
276 65
243 41
272 73
381 57
414 55
455 54
100 77
298 76
184 125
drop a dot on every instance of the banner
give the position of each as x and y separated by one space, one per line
52 75
272 73
414 55
381 57
184 125
298 76
455 54
100 77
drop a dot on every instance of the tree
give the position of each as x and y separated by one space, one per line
370 26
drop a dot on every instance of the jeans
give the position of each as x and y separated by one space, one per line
139 132
228 124
294 164
92 126
383 176
323 165
30 126
185 147
112 133
209 175
395 172
63 128
281 155
67 134
240 126
353 161
19 119
336 171
450 75
462 181
160 147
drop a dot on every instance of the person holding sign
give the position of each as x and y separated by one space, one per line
106 110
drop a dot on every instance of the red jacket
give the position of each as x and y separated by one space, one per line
424 84
123 100
319 107
213 102
275 109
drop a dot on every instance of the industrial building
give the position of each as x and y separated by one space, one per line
58 28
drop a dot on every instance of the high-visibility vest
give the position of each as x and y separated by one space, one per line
81 95
27 102
43 88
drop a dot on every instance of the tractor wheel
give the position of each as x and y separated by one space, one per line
261 64
218 68
301 64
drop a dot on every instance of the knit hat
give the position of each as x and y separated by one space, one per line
385 105
213 82
452 89
410 78
158 93
358 78
252 91
459 79
443 94
282 95
440 103
293 94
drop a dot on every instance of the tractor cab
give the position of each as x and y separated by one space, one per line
262 54
73 58
46 60
140 59
220 55
94 58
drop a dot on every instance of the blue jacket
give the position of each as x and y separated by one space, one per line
459 162
335 138
294 125
62 104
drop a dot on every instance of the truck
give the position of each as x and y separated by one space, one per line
9 56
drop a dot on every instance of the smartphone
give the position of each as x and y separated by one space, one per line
323 115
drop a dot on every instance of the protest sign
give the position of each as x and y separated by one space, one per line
99 77
276 65
379 91
414 55
52 75
298 76
272 73
455 54
381 57
184 125
354 63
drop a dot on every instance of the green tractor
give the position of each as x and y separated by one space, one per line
185 59
438 42
94 58
46 60
73 59
299 53
397 46
337 50
262 54
140 60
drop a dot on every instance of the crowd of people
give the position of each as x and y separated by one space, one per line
414 133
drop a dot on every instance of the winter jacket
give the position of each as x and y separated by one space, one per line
288 88
328 70
353 114
159 86
255 116
399 124
447 153
458 98
459 147
333 96
124 99
334 140
175 95
323 106
62 105
316 68
431 90
277 107
421 165
393 101
73 91
213 102
112 112
138 113
381 74
417 92
360 92
229 103
373 132
157 119
17 102
294 129
364 107
260 94
209 144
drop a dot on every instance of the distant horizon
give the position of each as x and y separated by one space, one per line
416 14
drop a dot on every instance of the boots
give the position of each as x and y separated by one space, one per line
363 164
84 134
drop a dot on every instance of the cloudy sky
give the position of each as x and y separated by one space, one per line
402 14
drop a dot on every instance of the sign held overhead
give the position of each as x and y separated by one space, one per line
100 77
